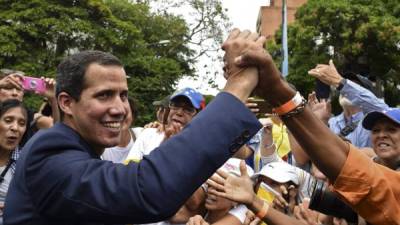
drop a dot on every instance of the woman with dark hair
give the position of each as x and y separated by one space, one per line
13 117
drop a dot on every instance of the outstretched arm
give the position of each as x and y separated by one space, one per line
324 148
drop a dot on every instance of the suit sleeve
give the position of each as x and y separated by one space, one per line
68 183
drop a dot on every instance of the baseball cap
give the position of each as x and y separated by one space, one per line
370 119
232 166
163 102
194 96
280 172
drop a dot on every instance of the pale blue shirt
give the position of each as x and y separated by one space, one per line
367 102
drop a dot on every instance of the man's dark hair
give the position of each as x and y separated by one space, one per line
71 71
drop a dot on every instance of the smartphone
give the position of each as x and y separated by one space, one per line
322 90
263 106
33 84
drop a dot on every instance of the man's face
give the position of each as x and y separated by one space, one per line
100 113
385 136
181 111
11 92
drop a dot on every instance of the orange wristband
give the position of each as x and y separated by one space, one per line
289 105
263 212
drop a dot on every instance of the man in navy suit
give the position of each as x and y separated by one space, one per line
60 178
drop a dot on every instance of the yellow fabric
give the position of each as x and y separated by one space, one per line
281 139
131 160
266 196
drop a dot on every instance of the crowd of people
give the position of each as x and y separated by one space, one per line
81 160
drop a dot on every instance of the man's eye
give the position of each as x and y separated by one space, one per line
104 95
124 96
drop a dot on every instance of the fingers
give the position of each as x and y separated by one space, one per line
244 34
283 189
261 40
222 173
218 178
217 193
331 63
234 33
252 106
196 220
215 184
243 169
253 36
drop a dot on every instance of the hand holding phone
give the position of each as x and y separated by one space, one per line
34 84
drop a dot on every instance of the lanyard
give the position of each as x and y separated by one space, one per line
3 174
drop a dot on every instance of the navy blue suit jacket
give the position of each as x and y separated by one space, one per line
59 180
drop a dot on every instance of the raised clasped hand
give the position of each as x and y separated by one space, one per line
241 81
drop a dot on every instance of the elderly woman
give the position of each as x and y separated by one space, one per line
13 117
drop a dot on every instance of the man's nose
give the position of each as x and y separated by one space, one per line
119 107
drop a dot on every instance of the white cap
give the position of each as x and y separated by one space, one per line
232 166
280 172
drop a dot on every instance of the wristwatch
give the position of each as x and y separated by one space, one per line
341 84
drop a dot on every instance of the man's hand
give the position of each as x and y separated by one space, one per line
252 106
270 86
238 189
241 81
321 108
197 220
12 80
327 74
172 129
306 215
50 92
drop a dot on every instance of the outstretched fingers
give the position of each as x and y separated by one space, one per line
219 193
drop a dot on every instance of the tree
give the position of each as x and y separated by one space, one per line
365 36
36 35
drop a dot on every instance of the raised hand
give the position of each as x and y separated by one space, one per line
238 189
241 81
327 74
321 108
50 88
197 220
12 81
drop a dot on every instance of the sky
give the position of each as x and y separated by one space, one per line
243 15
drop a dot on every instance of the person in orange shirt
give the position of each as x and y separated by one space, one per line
371 189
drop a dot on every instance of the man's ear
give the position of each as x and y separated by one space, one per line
65 102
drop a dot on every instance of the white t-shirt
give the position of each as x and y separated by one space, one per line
149 139
118 154
239 212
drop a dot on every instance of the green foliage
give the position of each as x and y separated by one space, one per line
365 35
35 35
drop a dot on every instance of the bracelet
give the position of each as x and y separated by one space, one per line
263 212
289 105
299 109
269 146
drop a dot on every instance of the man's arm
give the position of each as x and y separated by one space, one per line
71 184
358 95
324 148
